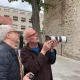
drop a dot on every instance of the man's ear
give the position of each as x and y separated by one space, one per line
8 35
27 39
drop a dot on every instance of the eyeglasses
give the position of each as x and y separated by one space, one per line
17 32
32 34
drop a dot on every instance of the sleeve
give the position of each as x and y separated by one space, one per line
52 57
4 66
52 53
31 64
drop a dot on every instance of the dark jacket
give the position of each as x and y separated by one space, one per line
39 64
9 65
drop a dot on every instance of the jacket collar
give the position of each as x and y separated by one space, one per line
12 51
39 45
8 46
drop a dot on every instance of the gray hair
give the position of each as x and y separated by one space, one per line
24 34
3 30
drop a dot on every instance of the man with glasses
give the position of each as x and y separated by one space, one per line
37 57
9 63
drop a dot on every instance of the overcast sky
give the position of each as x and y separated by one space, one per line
19 4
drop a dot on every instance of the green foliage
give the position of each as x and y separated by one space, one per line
12 0
40 3
29 1
47 6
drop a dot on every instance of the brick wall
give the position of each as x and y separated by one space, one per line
64 19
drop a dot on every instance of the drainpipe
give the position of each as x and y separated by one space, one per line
61 49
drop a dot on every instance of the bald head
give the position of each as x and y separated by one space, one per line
28 32
31 36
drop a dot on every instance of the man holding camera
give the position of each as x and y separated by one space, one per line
36 57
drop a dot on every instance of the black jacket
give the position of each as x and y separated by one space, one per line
9 65
39 64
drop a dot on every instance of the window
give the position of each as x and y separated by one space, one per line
30 21
30 27
15 11
3 24
23 27
15 26
6 9
6 15
0 8
23 19
15 18
0 23
22 12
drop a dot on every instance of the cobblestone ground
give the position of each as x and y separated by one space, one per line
66 69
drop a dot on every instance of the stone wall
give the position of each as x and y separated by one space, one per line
64 20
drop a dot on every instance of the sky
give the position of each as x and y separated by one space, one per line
19 4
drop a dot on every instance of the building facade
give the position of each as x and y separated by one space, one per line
21 19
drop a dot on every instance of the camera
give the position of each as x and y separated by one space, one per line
31 76
58 38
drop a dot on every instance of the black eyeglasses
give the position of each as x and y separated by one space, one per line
32 34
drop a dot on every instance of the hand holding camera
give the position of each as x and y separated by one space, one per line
56 40
47 46
31 77
54 43
28 76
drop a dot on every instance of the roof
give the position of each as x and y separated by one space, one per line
6 20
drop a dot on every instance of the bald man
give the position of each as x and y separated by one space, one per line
37 57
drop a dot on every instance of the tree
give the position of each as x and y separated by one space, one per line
35 17
36 7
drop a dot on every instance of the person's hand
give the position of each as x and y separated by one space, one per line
46 46
54 43
26 77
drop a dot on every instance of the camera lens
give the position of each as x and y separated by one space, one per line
58 38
